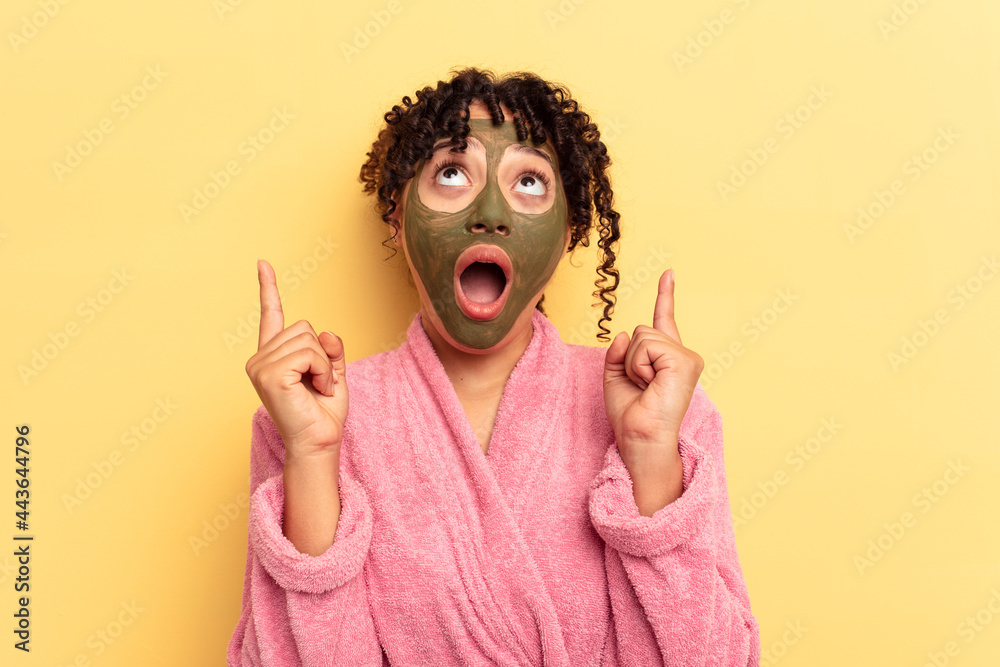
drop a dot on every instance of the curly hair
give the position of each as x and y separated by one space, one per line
540 109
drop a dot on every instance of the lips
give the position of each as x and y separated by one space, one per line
482 281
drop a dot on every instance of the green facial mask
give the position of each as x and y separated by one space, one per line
533 242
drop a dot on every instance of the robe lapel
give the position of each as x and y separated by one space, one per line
481 498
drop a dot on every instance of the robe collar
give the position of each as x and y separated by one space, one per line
540 370
492 492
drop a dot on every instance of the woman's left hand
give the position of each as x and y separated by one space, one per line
648 383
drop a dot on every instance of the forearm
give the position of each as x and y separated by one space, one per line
657 475
678 568
312 501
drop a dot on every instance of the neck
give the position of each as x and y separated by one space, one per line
481 373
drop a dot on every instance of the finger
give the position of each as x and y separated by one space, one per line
663 311
272 319
297 363
614 358
637 363
322 373
286 334
334 348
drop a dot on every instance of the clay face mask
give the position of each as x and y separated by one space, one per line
481 266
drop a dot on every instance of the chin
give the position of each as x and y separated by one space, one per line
522 326
522 321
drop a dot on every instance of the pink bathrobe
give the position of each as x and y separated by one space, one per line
534 554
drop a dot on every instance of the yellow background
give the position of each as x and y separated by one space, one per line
894 76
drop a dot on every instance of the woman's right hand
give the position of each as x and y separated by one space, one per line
299 376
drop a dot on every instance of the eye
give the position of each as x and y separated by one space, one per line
533 183
450 175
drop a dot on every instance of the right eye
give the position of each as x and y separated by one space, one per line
451 175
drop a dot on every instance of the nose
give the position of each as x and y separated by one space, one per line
490 215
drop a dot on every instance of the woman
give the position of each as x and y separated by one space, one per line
493 496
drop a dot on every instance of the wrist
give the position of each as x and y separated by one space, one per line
312 460
643 451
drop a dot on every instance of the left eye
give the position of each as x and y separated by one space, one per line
530 185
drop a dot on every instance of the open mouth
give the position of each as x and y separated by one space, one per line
482 281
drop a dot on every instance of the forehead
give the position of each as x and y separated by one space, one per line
495 139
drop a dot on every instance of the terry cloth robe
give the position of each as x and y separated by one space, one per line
534 554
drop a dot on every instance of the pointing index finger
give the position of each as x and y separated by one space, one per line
272 318
663 311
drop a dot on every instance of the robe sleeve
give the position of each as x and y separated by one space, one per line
677 591
299 609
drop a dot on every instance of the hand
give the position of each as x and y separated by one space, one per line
649 380
299 376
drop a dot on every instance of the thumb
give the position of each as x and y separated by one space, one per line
614 358
334 348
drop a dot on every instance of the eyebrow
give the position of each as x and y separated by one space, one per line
521 148
518 148
471 141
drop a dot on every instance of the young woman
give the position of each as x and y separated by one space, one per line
492 496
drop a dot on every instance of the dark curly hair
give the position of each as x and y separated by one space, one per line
540 109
